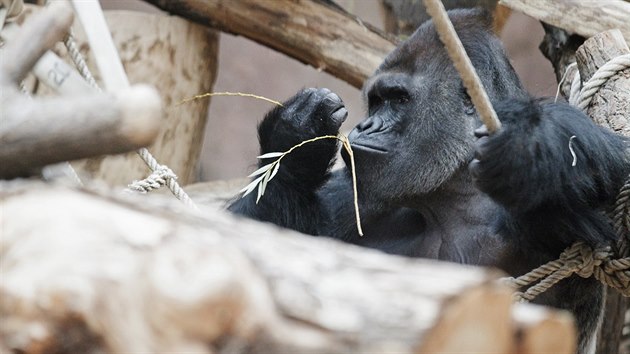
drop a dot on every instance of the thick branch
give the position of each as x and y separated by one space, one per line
35 133
308 31
586 18
131 276
40 34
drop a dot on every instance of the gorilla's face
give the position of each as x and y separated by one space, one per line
419 129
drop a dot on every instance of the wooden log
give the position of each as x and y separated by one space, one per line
611 105
112 274
308 31
22 52
177 57
402 17
586 18
610 108
541 331
37 133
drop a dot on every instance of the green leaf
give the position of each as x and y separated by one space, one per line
270 155
261 170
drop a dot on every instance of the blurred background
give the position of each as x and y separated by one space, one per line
230 145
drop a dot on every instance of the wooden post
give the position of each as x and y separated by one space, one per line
610 108
611 105
40 131
179 59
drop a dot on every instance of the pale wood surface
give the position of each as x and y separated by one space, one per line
137 274
179 59
21 53
586 18
610 107
37 132
315 34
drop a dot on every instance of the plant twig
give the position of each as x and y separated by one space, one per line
211 94
267 172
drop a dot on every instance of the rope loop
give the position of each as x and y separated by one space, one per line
157 179
601 76
610 265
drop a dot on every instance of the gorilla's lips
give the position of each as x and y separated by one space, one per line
368 143
359 145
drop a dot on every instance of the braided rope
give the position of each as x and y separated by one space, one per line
621 219
161 175
79 61
579 258
602 75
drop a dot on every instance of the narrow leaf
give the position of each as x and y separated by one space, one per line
263 184
270 155
260 193
261 170
250 187
275 170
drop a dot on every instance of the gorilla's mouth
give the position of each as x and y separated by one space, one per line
368 148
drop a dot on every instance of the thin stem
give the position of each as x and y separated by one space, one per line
240 94
346 145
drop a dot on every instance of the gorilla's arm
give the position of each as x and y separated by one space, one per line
553 169
291 199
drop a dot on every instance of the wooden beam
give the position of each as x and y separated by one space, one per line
143 274
319 35
586 18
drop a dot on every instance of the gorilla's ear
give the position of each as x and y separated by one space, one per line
472 17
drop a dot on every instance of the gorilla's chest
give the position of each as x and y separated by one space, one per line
415 233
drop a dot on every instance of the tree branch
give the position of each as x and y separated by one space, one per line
319 35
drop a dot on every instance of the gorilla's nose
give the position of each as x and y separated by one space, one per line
481 131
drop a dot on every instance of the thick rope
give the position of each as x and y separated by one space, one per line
602 75
161 175
621 219
79 62
579 258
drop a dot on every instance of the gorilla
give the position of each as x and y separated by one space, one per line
433 183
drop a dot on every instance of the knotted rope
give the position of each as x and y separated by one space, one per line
161 175
580 258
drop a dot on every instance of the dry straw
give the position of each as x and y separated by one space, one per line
267 172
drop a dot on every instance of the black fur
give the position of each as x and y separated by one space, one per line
429 188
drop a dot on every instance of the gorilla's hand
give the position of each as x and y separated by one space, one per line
309 114
548 155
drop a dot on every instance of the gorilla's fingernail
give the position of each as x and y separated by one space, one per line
481 131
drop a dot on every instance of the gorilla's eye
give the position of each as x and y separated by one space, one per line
402 99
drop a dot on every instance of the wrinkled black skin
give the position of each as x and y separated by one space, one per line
429 188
